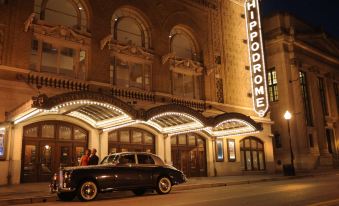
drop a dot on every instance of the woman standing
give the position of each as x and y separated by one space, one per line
85 157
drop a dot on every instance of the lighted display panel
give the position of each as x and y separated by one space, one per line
2 144
256 57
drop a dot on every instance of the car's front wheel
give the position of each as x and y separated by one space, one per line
87 191
164 185
66 196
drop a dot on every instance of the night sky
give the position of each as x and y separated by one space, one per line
319 13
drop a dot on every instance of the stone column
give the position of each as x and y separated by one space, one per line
167 149
103 145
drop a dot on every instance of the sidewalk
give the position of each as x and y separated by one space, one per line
39 192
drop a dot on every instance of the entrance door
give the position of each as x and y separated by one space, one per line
188 154
30 159
65 154
47 164
49 145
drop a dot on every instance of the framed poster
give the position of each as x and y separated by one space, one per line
2 144
231 150
219 150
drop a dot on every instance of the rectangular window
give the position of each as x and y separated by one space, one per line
130 75
322 92
54 58
305 96
67 62
34 58
231 150
277 140
220 150
336 92
2 144
272 85
49 61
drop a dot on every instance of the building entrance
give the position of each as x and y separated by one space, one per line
49 145
189 154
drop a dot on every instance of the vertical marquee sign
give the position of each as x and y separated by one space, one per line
256 57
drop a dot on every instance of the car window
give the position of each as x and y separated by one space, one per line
127 159
158 160
145 159
109 159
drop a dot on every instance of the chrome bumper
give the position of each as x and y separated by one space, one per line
54 187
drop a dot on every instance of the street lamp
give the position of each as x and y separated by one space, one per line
288 116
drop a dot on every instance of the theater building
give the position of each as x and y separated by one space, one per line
166 77
303 77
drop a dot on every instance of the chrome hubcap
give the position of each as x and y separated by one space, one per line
165 185
88 190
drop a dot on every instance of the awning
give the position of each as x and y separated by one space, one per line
108 113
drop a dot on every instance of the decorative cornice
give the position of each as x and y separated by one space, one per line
181 65
126 49
59 31
211 4
43 102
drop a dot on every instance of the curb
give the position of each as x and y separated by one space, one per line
53 198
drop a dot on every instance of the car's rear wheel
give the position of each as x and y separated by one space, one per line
139 192
66 196
164 185
87 191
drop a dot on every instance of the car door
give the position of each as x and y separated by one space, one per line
146 167
126 175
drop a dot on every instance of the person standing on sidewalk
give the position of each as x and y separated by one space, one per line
93 159
85 158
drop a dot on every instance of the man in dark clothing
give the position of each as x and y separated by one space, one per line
93 159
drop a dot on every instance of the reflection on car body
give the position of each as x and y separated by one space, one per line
121 171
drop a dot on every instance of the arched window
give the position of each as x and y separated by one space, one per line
183 44
60 55
129 32
186 82
252 154
71 13
130 27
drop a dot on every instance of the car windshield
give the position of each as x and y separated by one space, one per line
111 159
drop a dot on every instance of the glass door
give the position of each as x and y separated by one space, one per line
47 164
64 152
30 161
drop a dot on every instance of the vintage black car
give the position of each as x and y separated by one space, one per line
134 171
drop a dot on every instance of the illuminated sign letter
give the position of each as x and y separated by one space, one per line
256 57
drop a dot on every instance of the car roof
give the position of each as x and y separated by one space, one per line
159 160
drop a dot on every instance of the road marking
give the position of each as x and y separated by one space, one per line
327 203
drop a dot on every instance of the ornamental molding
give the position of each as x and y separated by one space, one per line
43 102
181 65
176 108
59 31
211 4
127 49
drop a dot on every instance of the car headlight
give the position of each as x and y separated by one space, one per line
55 176
67 175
